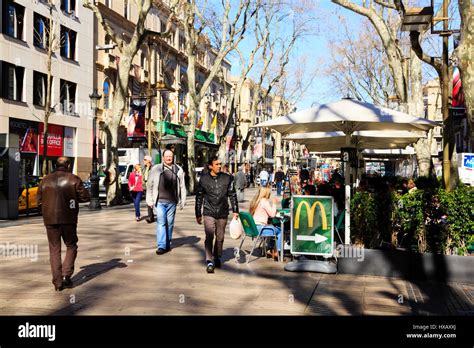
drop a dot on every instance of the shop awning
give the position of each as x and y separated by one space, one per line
172 130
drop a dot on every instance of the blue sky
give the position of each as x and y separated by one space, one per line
315 47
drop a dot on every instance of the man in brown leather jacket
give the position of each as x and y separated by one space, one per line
59 195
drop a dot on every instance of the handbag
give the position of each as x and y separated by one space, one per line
236 229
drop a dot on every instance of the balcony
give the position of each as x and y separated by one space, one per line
107 60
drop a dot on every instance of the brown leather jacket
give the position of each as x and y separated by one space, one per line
59 195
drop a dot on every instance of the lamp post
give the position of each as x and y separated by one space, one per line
95 203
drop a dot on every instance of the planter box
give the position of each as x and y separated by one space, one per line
407 265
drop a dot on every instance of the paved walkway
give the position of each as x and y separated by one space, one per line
118 272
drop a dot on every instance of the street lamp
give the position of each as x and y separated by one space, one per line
95 203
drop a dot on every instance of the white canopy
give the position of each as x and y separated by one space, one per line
347 115
331 141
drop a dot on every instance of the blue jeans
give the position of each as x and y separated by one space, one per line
263 182
268 232
279 185
165 213
137 197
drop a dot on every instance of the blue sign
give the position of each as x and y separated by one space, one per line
469 161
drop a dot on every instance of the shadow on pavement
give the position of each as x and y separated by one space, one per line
91 271
178 242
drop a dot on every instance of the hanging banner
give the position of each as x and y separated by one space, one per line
69 142
136 120
55 140
458 100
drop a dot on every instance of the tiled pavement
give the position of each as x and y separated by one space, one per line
118 272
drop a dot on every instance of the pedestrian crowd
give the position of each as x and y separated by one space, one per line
164 188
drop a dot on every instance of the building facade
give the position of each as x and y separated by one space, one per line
23 64
159 77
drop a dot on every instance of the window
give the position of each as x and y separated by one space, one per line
143 61
40 31
126 9
68 97
182 43
39 88
12 81
107 40
13 18
68 7
68 43
106 93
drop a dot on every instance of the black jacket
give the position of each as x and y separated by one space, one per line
216 192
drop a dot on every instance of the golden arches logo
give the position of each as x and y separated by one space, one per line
310 212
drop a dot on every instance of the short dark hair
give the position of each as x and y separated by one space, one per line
63 162
212 159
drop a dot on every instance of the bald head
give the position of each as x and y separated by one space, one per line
63 162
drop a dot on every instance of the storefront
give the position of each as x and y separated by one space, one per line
60 142
174 135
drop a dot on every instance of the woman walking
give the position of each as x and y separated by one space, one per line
135 185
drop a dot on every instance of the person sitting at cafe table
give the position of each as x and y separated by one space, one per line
262 208
309 190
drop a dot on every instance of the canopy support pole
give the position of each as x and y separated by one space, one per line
347 179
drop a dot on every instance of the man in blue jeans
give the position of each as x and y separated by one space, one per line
165 190
279 178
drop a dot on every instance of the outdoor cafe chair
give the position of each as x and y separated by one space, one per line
251 230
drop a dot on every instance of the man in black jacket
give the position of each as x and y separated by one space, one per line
215 189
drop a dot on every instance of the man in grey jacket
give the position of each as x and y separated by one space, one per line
240 183
165 190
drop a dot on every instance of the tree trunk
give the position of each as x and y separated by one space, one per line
465 54
416 108
47 106
114 190
190 146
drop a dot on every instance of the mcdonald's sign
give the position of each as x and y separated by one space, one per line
310 212
312 225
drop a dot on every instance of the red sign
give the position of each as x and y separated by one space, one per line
458 99
55 140
28 144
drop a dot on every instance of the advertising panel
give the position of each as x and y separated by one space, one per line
28 133
69 142
55 140
312 225
136 120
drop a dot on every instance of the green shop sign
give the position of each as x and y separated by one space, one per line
178 131
312 225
